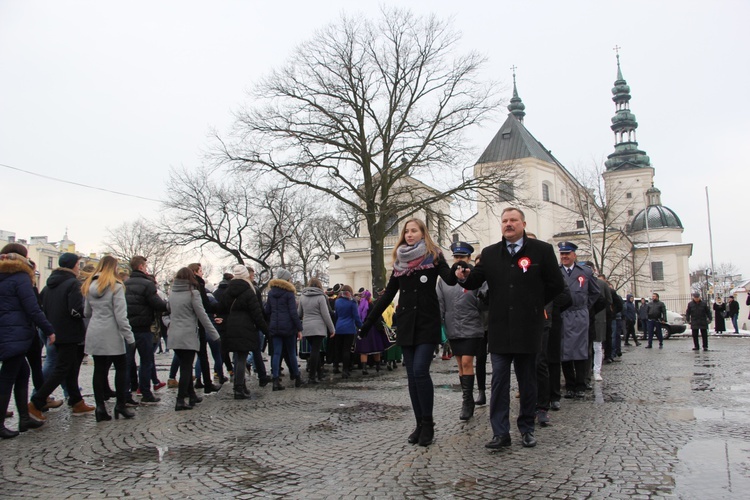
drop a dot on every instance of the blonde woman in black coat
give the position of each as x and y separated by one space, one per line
417 263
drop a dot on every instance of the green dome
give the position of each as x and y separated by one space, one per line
659 217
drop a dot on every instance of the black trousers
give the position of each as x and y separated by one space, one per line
203 358
543 375
67 367
101 377
185 387
555 372
575 374
345 351
314 361
34 357
703 334
481 365
630 331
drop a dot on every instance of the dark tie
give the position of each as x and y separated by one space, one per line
512 249
568 270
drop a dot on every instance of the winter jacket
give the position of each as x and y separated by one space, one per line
418 309
63 305
19 308
315 314
109 329
698 314
643 311
347 317
519 287
460 311
628 311
281 309
243 315
657 311
733 307
585 291
143 301
186 311
220 291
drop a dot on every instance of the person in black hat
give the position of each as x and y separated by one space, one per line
461 315
63 303
522 276
585 292
698 314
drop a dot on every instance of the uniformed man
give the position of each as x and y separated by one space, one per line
584 291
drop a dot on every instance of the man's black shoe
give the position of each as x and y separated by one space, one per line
528 440
149 399
132 403
498 442
569 394
554 405
579 394
648 347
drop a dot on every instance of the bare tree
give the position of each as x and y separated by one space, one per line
142 237
363 107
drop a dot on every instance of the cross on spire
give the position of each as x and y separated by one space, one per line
617 48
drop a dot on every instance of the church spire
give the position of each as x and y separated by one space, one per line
516 106
626 154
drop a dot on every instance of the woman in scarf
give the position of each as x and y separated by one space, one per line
375 341
417 263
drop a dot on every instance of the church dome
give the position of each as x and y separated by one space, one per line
659 217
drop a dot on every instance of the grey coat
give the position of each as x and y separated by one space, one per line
584 291
186 309
315 314
460 311
600 320
109 329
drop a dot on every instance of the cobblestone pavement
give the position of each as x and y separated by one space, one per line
669 423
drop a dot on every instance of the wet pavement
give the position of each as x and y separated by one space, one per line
663 423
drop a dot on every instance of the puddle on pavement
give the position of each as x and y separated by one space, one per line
713 469
449 387
701 381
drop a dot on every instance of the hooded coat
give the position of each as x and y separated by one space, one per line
19 308
186 313
109 328
315 314
63 305
243 317
281 309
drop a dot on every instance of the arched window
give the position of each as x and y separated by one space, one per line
545 191
505 191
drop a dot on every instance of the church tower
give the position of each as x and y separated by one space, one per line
629 174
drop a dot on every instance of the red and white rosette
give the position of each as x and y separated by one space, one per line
581 280
524 263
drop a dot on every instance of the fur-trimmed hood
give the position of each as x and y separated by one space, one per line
283 284
13 263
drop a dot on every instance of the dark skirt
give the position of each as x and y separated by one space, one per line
375 343
466 347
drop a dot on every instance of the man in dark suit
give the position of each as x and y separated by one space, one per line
522 276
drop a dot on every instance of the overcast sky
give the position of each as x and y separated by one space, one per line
112 94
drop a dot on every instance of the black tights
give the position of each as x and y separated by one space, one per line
101 376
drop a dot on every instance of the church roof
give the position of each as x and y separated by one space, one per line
659 217
514 142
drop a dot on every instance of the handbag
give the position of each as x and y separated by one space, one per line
390 333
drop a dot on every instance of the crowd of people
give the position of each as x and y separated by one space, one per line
556 323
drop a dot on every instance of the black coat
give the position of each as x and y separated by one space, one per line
143 301
244 317
698 314
62 303
517 293
417 316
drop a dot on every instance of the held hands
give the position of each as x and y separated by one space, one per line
51 339
462 271
362 333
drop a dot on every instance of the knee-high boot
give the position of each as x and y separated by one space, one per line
467 387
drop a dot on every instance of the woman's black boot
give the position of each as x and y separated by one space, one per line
414 436
428 432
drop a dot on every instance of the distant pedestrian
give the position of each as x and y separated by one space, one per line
698 314
347 322
317 324
720 311
284 326
631 316
657 314
733 309
642 313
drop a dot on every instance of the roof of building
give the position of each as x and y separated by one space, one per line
513 142
659 217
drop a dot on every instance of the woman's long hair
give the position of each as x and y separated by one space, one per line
188 275
432 248
105 275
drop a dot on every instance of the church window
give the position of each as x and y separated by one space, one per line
50 263
630 213
657 271
391 228
628 195
579 224
505 191
545 191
